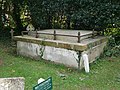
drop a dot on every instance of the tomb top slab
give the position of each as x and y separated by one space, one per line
63 35
65 31
84 45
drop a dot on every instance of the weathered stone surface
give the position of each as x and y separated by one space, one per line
16 83
95 51
64 52
61 31
52 43
58 55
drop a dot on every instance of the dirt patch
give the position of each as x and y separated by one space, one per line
1 62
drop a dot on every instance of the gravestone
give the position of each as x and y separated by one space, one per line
45 85
16 83
30 27
12 33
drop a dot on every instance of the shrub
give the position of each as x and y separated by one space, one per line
113 48
77 14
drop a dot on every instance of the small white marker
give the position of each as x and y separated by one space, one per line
40 80
86 62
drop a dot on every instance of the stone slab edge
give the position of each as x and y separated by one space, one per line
21 78
60 44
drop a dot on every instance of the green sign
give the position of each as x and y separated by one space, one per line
45 85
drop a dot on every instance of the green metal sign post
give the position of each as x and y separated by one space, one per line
45 85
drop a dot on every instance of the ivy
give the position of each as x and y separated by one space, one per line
74 14
113 48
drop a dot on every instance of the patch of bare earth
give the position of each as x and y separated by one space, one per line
1 62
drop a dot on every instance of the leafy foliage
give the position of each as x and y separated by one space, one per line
10 14
113 32
74 14
112 48
70 14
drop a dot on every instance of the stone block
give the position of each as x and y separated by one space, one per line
15 83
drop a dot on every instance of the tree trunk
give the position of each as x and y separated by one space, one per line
16 18
68 22
49 22
1 25
0 18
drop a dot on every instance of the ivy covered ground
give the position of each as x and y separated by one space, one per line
104 73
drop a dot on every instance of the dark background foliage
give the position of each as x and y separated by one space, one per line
65 14
74 14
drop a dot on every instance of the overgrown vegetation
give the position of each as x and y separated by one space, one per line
11 14
70 14
113 48
74 14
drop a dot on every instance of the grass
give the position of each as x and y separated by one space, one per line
104 73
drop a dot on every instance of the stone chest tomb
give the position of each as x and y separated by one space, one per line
61 46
